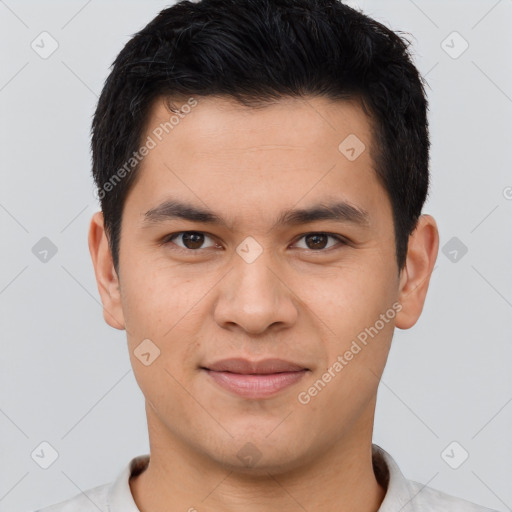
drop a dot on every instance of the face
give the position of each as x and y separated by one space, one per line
257 261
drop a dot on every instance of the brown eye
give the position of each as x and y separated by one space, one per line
191 240
316 241
320 241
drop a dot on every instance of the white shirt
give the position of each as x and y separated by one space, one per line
401 495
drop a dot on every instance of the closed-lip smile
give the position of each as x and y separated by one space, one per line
255 379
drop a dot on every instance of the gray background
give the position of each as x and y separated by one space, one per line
65 376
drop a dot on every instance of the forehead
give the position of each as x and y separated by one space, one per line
249 159
302 123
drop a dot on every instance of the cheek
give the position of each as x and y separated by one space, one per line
168 309
155 298
357 309
350 298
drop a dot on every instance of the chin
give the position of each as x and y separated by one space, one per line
258 454
262 464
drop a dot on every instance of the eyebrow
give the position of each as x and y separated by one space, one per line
340 211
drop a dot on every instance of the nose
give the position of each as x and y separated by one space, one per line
255 296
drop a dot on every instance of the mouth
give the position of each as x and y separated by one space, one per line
255 379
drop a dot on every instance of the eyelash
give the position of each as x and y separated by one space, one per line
169 240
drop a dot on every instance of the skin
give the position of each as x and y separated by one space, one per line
295 302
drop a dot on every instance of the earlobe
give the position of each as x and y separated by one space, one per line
106 276
415 277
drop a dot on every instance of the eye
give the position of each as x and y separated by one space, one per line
190 240
319 241
193 241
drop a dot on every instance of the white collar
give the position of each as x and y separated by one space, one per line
400 493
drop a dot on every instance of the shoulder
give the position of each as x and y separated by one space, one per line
410 496
92 500
110 497
429 499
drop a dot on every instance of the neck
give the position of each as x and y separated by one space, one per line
341 479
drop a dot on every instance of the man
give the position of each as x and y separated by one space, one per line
262 167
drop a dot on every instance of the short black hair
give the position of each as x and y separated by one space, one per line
257 52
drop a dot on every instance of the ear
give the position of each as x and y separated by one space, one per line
415 276
106 276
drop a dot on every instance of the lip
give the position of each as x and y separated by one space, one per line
255 379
